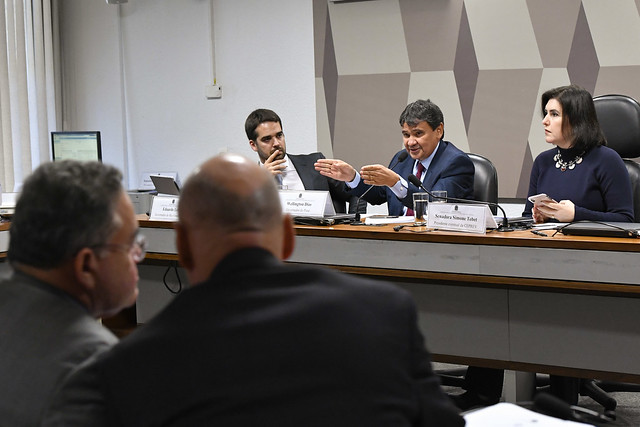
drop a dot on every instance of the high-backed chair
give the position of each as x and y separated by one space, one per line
485 180
619 117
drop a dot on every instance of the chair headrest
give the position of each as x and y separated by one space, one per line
619 117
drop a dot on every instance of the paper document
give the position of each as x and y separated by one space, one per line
549 225
510 415
387 219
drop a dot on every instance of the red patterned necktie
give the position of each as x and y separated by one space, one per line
419 176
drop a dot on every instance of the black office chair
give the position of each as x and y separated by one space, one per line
485 189
485 180
619 118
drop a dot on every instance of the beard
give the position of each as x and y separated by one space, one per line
280 156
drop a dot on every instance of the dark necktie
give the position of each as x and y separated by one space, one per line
419 176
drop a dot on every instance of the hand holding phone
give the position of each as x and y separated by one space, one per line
540 198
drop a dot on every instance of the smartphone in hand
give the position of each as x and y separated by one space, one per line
540 198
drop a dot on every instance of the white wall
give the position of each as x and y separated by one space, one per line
154 97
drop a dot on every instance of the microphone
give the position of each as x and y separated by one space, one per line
401 158
505 222
558 408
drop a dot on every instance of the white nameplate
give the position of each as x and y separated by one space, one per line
306 203
460 217
164 208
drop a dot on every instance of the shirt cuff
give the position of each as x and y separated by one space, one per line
400 188
355 182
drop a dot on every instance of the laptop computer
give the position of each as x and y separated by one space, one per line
602 229
165 185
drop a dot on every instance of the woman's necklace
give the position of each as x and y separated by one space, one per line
563 166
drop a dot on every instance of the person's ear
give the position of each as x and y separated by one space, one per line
440 130
253 144
288 237
85 268
184 248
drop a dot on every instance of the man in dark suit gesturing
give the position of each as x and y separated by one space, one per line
438 164
293 171
256 341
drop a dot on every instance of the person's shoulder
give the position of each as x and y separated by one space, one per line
88 336
545 155
312 156
606 152
454 155
453 151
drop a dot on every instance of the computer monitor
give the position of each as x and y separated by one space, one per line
82 146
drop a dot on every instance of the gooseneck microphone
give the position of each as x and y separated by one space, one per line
401 158
505 222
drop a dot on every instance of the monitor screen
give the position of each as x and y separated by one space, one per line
80 146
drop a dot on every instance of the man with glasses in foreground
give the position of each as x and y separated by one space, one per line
73 250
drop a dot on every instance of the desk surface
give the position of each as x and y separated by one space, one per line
572 263
515 238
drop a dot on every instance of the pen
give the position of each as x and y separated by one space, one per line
539 233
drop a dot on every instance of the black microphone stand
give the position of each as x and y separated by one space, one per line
401 158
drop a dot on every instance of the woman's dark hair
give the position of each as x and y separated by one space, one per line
579 120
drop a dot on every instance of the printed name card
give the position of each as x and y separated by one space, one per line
306 203
164 208
458 217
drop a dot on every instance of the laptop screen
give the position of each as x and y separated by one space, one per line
165 185
82 146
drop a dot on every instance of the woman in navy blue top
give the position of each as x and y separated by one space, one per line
585 179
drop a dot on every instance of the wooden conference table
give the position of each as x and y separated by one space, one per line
564 305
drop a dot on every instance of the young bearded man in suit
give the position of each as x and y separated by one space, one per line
293 171
256 341
436 162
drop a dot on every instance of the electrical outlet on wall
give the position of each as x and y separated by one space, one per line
213 91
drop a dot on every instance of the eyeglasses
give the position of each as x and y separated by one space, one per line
137 249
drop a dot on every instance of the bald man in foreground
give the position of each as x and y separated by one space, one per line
257 342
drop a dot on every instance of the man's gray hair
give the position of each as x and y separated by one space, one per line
63 207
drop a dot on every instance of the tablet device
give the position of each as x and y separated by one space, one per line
165 185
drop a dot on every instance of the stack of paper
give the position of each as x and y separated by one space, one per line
510 415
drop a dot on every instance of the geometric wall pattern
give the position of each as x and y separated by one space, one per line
484 62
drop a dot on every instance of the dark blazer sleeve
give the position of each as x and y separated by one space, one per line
450 170
382 194
313 180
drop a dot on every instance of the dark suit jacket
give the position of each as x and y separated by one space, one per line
263 343
313 180
450 170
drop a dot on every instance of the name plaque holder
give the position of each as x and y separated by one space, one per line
164 208
311 203
460 217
